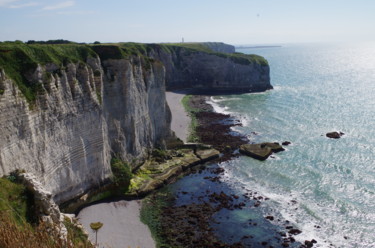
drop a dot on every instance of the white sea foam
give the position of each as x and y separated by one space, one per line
217 108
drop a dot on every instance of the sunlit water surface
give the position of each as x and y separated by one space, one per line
317 89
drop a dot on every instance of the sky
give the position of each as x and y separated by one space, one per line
154 21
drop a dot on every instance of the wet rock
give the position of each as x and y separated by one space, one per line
218 170
256 151
334 135
261 151
275 147
270 217
309 244
286 143
207 154
294 231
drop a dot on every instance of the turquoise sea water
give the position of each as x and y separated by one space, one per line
317 89
324 187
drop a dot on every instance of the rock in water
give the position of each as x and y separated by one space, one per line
334 135
256 151
261 151
275 147
286 143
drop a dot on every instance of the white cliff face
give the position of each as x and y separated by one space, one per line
135 106
87 114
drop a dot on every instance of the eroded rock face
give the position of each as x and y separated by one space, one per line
205 72
47 210
88 112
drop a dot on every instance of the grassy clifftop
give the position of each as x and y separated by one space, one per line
19 60
238 58
123 50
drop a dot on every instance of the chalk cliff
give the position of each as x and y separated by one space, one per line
209 71
65 110
86 113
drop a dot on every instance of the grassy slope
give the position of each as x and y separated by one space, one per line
18 228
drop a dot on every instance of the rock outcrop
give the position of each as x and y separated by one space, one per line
46 209
334 135
212 72
260 151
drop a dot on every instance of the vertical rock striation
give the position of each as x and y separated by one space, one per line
84 116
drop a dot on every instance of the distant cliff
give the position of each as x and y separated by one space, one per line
201 68
66 110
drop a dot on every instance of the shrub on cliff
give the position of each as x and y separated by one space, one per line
121 175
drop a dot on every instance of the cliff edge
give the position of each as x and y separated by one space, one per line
66 110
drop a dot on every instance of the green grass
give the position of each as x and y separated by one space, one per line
194 122
151 210
18 224
196 46
15 200
20 60
239 58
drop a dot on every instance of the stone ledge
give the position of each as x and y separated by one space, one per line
261 151
153 176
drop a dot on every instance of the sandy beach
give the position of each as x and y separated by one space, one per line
121 225
180 119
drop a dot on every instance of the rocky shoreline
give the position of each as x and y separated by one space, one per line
189 219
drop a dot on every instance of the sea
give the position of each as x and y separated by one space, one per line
324 187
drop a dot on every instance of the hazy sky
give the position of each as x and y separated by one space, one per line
234 21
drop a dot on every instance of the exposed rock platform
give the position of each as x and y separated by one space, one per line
154 174
261 151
